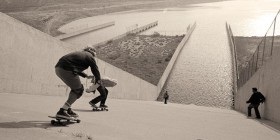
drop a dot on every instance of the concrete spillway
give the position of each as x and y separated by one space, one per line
202 73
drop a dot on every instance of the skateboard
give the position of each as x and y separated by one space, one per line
100 109
63 121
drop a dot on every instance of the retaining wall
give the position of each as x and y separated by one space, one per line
234 60
129 86
169 67
267 80
28 57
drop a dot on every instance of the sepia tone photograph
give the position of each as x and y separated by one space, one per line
139 69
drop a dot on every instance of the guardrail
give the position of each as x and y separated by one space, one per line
137 30
263 52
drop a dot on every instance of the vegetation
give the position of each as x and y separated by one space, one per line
141 55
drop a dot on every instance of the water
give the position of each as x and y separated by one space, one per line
202 74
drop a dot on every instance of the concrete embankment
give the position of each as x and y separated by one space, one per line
24 117
28 57
83 31
172 61
267 80
202 74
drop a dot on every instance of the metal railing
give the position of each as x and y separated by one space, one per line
263 52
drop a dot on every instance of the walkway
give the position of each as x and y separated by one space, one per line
24 117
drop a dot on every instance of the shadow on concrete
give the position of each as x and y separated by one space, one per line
83 110
25 124
267 123
30 124
271 125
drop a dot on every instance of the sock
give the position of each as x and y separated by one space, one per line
66 106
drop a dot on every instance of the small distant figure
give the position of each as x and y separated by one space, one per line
166 97
255 100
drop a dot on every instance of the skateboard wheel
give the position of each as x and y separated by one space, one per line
52 122
78 121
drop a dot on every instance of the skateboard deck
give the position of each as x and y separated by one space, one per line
63 121
100 109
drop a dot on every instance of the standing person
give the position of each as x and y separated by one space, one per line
255 100
166 97
68 69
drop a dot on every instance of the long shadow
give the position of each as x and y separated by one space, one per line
30 124
271 125
83 110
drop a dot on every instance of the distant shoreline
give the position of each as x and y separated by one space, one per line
48 18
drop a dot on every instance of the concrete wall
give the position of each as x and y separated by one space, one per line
27 59
267 80
129 86
234 60
169 67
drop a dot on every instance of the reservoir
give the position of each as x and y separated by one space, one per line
202 74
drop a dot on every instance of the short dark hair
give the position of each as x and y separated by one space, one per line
255 89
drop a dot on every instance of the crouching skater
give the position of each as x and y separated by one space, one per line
68 69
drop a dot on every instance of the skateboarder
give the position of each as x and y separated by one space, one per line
68 69
101 98
166 97
255 100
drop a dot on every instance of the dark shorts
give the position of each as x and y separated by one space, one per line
69 78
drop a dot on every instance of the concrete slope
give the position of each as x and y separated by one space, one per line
25 117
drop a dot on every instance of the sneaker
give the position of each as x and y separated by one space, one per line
71 113
93 105
103 106
62 113
258 117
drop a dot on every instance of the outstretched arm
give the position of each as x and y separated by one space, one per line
94 68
